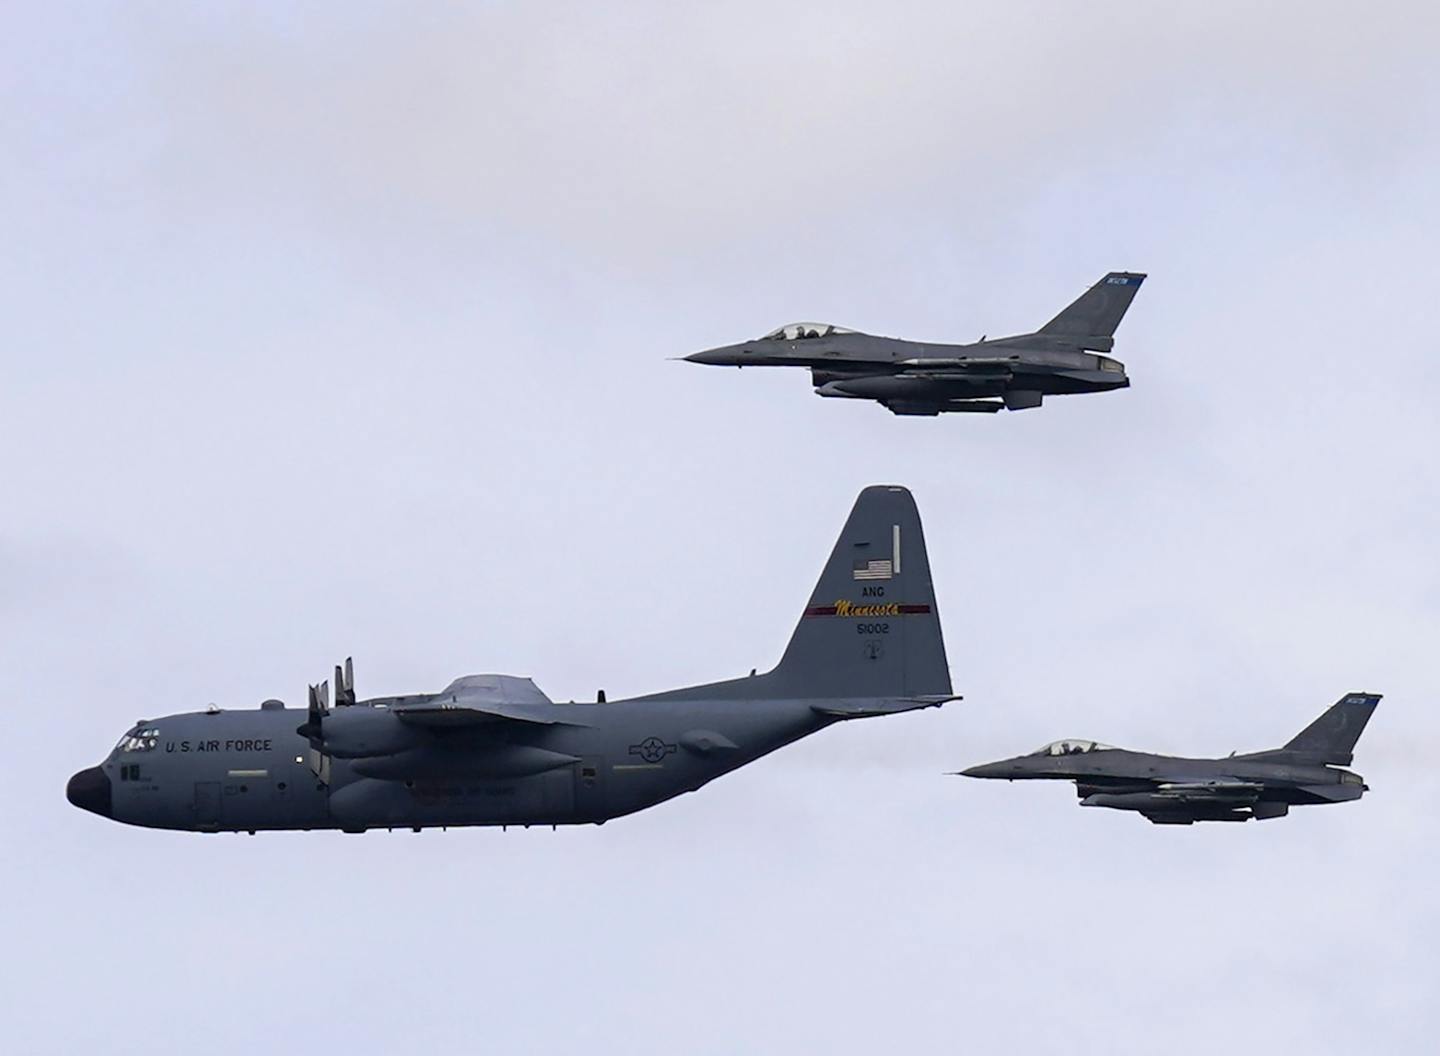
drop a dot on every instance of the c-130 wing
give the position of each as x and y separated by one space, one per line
479 700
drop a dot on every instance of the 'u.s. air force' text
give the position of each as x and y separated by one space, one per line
244 744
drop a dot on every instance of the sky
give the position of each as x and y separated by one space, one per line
346 329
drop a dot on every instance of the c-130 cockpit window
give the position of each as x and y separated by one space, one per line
140 739
802 331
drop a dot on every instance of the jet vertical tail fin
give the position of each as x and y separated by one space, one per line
871 628
1331 738
1090 321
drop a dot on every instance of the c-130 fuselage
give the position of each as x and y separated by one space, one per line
493 750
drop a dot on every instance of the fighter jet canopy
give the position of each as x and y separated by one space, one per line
1072 748
801 331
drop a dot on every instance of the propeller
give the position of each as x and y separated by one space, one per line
314 718
319 707
345 683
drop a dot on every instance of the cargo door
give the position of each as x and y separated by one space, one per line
207 805
557 795
590 788
247 799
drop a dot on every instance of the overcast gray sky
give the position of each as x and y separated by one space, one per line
344 330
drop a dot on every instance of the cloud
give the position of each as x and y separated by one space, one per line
642 132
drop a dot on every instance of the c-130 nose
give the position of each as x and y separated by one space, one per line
90 790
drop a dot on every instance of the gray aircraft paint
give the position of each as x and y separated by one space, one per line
494 750
1173 790
918 378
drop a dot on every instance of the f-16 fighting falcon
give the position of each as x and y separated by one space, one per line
913 377
1170 790
494 750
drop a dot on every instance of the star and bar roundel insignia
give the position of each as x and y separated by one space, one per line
652 749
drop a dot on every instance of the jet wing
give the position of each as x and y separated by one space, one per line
478 700
963 365
1220 791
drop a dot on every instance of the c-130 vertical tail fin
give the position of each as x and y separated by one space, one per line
871 628
869 641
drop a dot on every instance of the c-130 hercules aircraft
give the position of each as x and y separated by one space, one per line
1066 355
494 750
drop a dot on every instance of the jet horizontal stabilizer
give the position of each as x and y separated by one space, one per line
1341 793
1096 376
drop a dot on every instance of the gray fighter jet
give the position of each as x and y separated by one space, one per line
914 377
494 750
1171 790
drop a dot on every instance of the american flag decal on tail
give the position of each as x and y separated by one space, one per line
874 569
881 568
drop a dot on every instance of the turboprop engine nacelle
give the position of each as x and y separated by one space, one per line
485 762
363 732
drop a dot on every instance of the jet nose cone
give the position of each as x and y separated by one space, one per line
988 770
726 356
90 790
